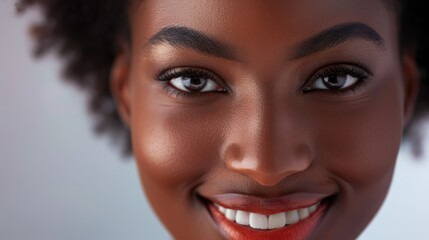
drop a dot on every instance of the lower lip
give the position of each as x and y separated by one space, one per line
297 231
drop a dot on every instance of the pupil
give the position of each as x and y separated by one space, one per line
194 83
335 81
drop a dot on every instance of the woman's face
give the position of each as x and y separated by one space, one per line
288 114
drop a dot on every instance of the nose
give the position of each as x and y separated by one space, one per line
266 144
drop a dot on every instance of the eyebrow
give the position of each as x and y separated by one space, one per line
336 35
183 37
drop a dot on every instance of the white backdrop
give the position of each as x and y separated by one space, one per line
59 181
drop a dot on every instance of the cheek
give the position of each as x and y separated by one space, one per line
174 149
362 143
174 146
358 146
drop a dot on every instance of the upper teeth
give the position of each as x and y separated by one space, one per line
260 221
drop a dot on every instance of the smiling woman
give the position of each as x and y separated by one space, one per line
251 119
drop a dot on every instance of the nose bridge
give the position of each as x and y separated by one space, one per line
263 142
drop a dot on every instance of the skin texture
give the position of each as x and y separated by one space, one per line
264 136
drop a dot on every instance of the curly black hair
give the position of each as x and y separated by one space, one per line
86 34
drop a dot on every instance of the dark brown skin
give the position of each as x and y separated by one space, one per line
265 137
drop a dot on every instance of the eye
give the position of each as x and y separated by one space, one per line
337 79
186 82
194 84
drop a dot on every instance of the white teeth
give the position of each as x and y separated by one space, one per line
222 209
230 214
276 220
242 218
303 213
260 221
312 209
292 217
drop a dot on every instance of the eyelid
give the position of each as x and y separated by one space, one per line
169 74
354 69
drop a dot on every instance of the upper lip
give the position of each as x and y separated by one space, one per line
266 206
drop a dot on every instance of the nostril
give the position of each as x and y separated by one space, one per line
268 180
267 169
267 177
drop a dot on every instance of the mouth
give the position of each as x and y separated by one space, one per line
244 217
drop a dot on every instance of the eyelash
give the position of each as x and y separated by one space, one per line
361 73
166 76
343 69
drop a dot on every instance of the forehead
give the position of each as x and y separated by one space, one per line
261 31
254 23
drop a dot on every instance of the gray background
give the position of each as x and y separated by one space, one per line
60 181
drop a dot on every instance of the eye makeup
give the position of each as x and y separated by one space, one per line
351 72
357 75
189 74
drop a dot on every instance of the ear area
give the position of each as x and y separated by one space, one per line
119 85
411 81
